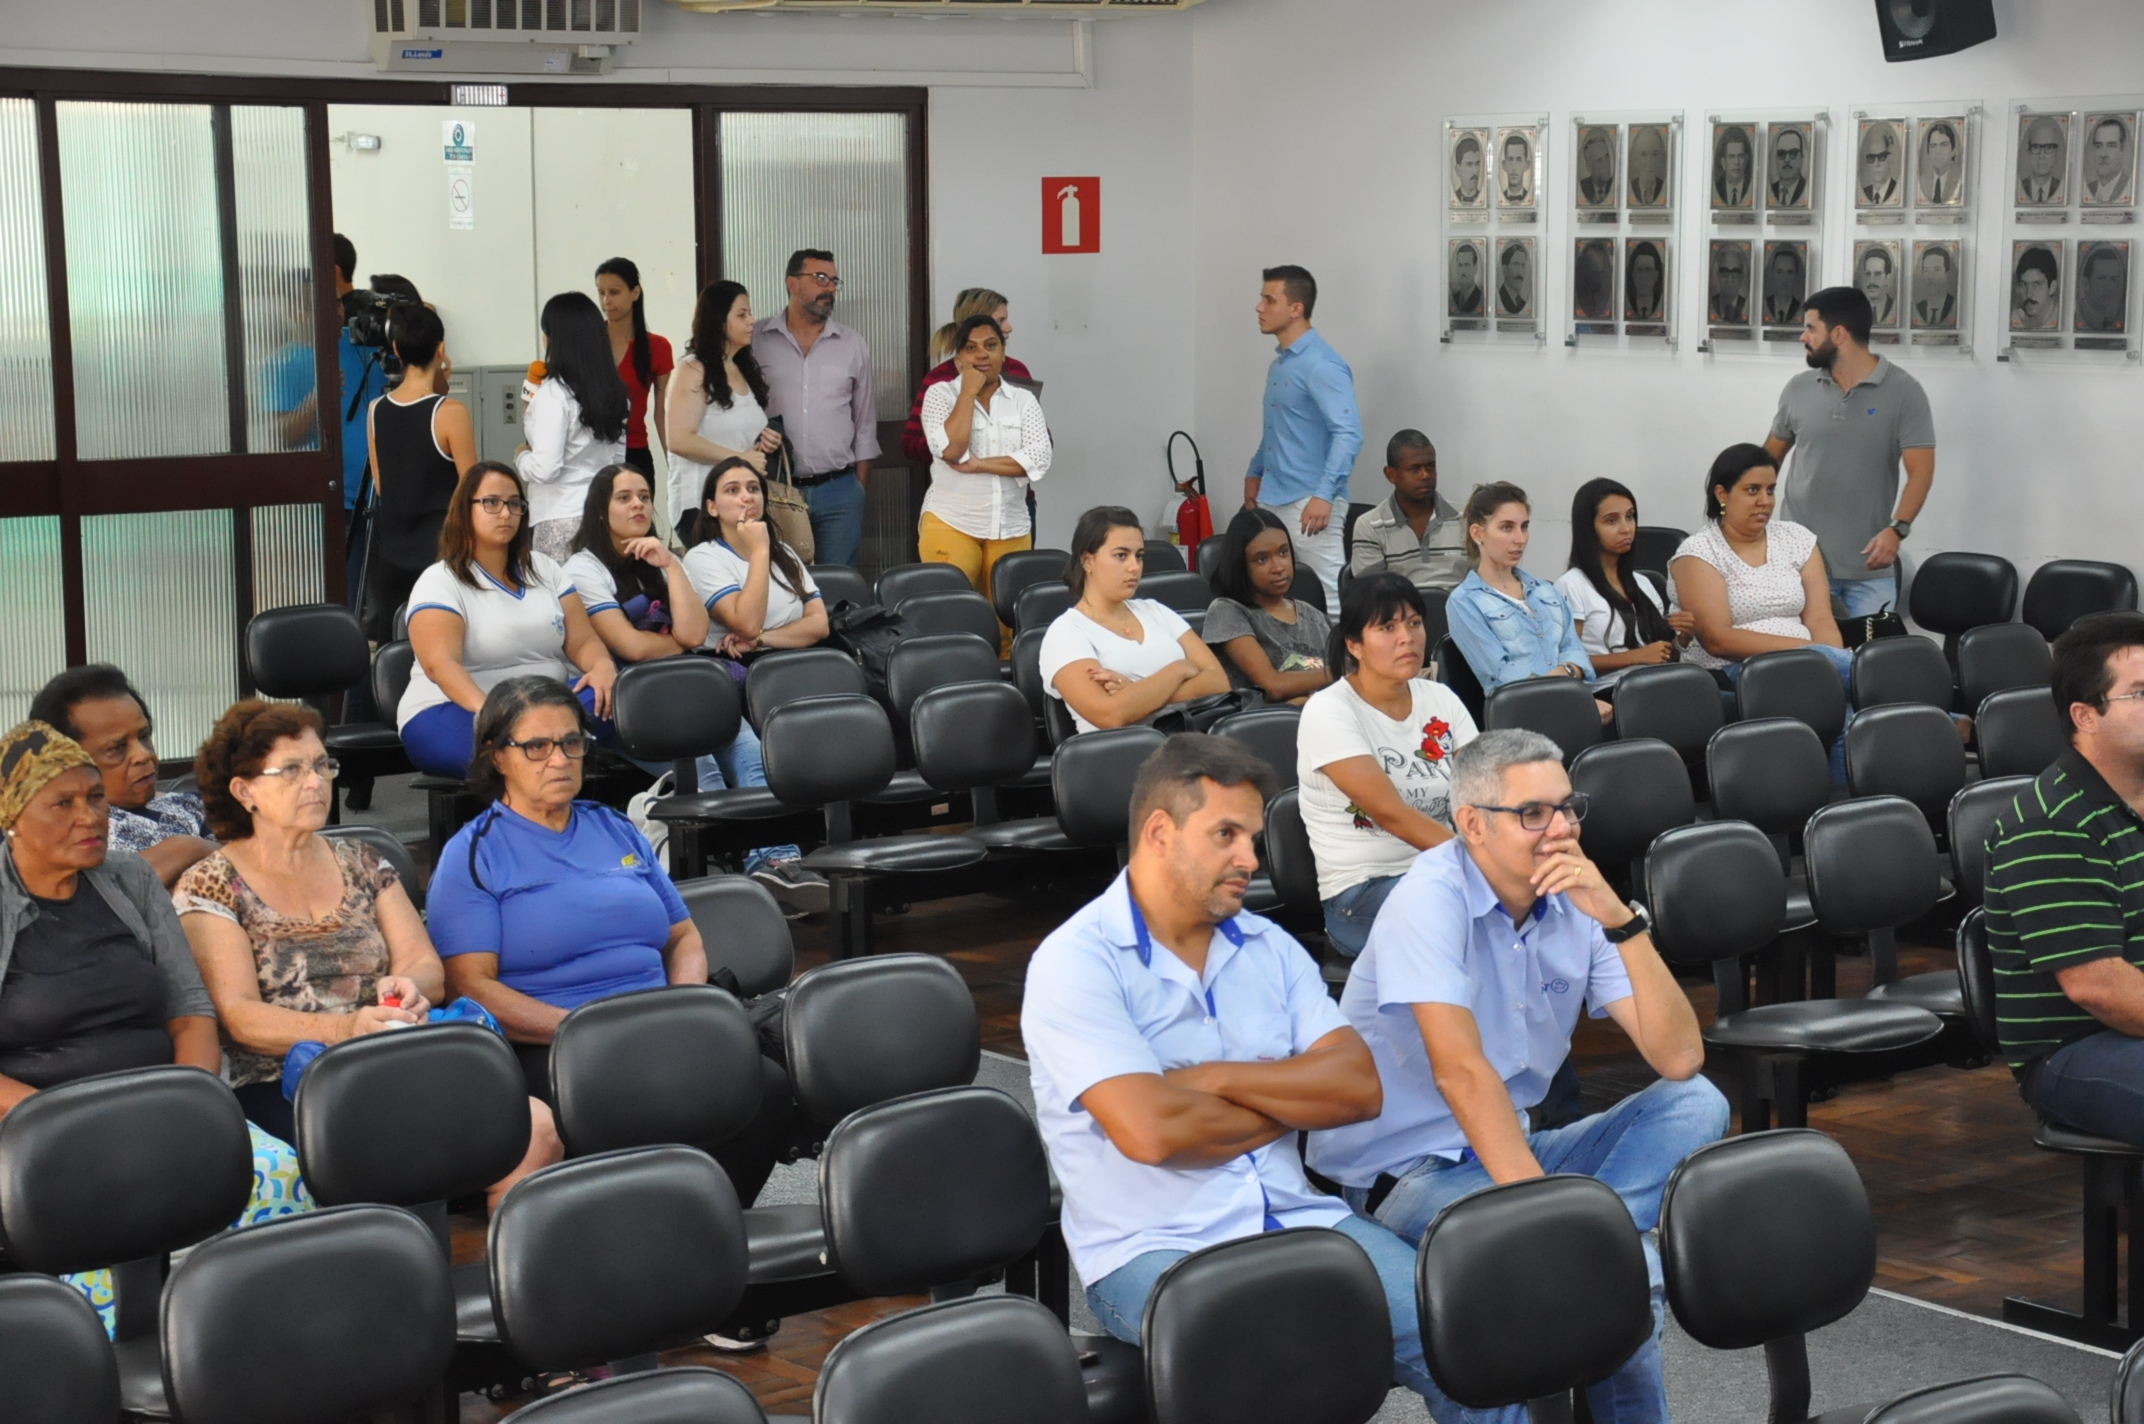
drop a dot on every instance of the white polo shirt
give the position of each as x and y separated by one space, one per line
505 633
717 571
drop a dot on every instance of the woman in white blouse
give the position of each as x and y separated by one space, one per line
714 416
1623 621
757 591
989 444
573 417
1114 658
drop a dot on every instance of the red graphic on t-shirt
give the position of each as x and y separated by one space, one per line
1436 740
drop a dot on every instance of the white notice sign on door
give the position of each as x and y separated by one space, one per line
458 143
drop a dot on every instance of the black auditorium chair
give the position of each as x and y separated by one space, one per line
1655 547
904 581
1435 624
1872 868
1908 669
1954 591
969 1361
1039 604
54 1354
2062 591
1638 789
447 799
1973 813
312 652
2002 655
1293 870
2019 732
391 850
1209 556
923 662
1795 682
1991 1399
959 611
1268 731
1179 589
866 1032
838 583
1676 703
1906 749
119 1171
1164 557
1773 774
1453 672
1091 779
680 1064
972 738
779 678
345 1313
693 1394
1495 1265
1308 588
1014 573
1559 708
1027 676
743 928
1716 893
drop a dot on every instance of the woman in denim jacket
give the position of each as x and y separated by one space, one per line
1509 625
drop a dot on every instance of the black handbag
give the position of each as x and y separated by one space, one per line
1883 623
1201 713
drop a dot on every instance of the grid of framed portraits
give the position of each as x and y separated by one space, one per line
1763 209
1623 207
1495 210
1911 190
1765 170
1914 168
2072 168
1624 171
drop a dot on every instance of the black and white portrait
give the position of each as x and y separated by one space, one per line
1728 285
1876 274
1787 176
1466 277
2035 286
1649 149
1786 282
1939 170
1470 168
1593 279
1645 279
1514 276
1596 165
2110 166
1880 165
1734 167
1515 168
2043 160
1935 286
2102 287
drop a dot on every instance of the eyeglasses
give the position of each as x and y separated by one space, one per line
824 279
326 768
1536 815
573 744
2113 698
492 504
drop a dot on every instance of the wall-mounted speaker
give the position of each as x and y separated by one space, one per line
1923 29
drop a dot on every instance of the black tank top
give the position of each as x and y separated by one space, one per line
416 484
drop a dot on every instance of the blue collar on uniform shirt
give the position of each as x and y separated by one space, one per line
1482 897
1131 933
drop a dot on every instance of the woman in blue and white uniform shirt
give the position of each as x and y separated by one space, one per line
756 590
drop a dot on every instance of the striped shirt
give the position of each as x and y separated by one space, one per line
2065 887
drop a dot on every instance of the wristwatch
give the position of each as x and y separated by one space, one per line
1638 923
1901 527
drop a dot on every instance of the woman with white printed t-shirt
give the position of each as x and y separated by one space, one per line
757 592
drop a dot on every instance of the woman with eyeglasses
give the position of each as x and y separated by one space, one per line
491 608
98 707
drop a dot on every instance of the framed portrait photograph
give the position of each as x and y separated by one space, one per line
1734 168
1467 174
1789 182
1645 280
1939 162
1651 146
2036 285
1786 282
1727 282
2102 289
2110 166
1935 286
1880 165
1514 276
1876 274
1465 268
1515 167
2043 160
1598 145
1593 280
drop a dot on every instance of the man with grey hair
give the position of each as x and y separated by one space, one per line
1467 993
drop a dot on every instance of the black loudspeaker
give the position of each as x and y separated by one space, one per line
1923 29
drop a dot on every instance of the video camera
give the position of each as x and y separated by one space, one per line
365 315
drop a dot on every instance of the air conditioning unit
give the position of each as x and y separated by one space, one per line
1055 9
501 36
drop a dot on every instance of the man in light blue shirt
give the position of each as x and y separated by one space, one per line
1312 431
1178 1044
1467 993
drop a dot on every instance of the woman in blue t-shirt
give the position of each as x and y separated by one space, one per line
544 902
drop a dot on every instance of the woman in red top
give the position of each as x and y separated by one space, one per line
643 358
973 301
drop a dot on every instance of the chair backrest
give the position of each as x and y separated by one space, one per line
1435 623
1908 669
1179 589
1453 672
1906 749
865 1031
307 650
1290 1327
1017 571
1991 1399
976 1361
972 734
1795 682
839 583
606 1257
2002 655
54 1355
679 1064
670 709
1091 779
2126 1394
1976 980
1638 789
1954 591
1655 547
1209 556
2020 732
1764 1237
1773 774
390 676
1716 891
1973 813
780 678
932 1189
920 663
121 1166
391 850
826 749
1307 588
1676 703
693 1394
337 1314
1027 667
1559 708
1496 1264
744 930
961 611
402 1119
1057 724
904 581
1872 865
1288 854
2062 591
1039 604
1268 731
1164 557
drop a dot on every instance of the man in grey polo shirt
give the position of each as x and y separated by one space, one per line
1852 420
1412 532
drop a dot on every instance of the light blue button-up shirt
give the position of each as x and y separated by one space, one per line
1503 642
1444 938
1104 1000
1312 431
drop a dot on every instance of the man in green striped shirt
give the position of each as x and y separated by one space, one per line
2065 895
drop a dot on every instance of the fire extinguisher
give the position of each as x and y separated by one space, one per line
1194 518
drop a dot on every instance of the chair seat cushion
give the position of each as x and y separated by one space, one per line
1038 774
896 855
363 737
427 782
1035 833
736 803
906 788
1801 911
785 1243
1116 1380
1826 1026
141 1378
473 1320
1937 992
2056 1138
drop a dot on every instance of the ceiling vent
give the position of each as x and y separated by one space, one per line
501 36
1057 9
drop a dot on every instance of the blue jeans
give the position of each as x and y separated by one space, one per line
442 740
1632 1147
2095 1085
1861 597
1118 1300
738 765
1843 660
837 518
1349 914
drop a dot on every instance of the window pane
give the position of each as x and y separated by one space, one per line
275 276
158 593
833 181
25 315
33 631
287 552
144 280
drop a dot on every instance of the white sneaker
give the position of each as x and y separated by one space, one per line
800 891
735 1347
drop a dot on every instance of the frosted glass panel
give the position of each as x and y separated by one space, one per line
144 280
25 316
157 591
833 181
275 276
287 552
33 632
